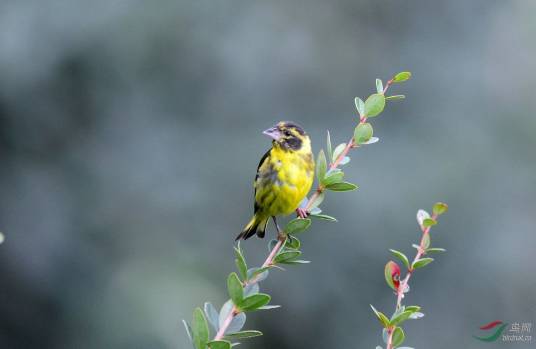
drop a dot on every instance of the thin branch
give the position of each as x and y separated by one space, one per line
404 284
234 312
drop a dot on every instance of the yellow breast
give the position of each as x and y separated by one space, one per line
284 180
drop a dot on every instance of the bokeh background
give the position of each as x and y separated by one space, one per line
130 134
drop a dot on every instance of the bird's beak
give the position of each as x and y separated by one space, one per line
273 132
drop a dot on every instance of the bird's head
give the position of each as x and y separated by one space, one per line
289 136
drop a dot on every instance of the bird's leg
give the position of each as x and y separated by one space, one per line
280 233
302 212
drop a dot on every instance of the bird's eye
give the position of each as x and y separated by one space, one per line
286 133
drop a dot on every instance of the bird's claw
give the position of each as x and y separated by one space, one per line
301 212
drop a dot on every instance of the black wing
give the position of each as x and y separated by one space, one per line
264 157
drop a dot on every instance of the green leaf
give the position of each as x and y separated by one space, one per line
421 263
428 222
401 256
426 241
212 315
374 105
398 337
413 308
381 317
317 201
338 151
321 166
243 334
360 106
394 97
284 257
435 250
324 217
199 329
388 273
379 86
220 344
363 133
293 243
400 318
402 76
297 225
254 302
342 186
328 148
240 262
440 208
234 287
333 176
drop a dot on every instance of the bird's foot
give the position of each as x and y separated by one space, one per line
301 212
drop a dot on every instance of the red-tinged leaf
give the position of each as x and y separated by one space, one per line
392 275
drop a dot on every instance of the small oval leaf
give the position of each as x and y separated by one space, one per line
297 225
401 256
398 337
254 302
243 334
363 133
199 329
342 186
374 105
440 208
234 287
402 76
421 263
321 166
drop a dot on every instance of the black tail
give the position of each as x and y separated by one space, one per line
255 226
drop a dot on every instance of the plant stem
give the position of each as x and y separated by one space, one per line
390 340
234 311
338 160
405 282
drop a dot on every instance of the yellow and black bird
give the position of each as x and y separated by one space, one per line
284 177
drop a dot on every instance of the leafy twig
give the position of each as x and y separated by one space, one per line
393 334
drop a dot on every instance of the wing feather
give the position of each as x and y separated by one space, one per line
264 158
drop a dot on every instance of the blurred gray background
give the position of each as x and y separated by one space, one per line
130 134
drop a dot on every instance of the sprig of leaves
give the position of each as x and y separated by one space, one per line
243 286
392 333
